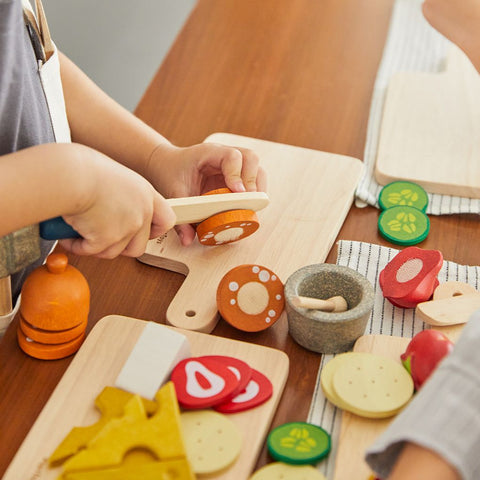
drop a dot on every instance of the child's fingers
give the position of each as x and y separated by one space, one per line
163 218
186 234
250 166
231 167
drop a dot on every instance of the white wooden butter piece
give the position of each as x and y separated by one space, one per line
149 365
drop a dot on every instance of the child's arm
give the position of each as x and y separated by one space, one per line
98 121
112 207
418 463
459 21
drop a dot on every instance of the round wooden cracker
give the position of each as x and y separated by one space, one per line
212 441
326 378
283 471
372 386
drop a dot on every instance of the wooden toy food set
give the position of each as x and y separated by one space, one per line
430 129
310 194
358 432
54 310
97 365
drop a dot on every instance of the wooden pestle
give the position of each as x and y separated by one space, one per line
333 304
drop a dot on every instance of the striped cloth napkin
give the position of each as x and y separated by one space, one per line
412 45
369 260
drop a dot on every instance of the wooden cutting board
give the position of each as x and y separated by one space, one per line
358 433
310 195
430 130
97 365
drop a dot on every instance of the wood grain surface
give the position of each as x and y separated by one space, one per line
296 72
430 131
98 364
298 228
357 433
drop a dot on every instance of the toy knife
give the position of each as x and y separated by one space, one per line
187 210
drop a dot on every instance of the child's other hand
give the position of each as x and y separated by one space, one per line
190 171
459 21
121 211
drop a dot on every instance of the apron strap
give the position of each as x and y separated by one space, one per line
44 30
40 25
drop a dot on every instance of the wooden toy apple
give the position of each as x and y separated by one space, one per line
424 353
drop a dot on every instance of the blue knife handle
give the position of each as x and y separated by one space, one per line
56 229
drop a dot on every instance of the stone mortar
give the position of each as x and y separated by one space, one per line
328 332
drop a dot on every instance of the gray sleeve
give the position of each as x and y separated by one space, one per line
444 416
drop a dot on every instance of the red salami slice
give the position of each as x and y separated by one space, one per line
240 369
203 382
258 391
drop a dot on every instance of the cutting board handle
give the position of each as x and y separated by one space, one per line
190 308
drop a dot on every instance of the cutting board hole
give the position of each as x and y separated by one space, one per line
190 313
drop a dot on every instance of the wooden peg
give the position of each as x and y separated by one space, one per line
334 304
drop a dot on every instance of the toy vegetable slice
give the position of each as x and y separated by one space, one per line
298 443
404 225
403 193
411 276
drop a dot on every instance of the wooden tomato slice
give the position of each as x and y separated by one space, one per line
238 367
203 382
411 276
226 227
250 298
258 391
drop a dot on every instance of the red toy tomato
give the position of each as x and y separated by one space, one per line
423 354
411 276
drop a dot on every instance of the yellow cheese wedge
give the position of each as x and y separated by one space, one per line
111 403
159 434
168 469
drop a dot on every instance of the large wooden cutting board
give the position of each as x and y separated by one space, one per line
310 195
358 433
97 365
430 131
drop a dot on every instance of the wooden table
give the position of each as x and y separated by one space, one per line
299 72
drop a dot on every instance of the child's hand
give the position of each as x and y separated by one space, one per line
121 211
459 21
185 172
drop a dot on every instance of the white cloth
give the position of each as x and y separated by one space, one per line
412 45
369 260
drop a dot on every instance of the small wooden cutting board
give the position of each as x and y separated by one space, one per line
357 433
98 363
430 131
310 194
